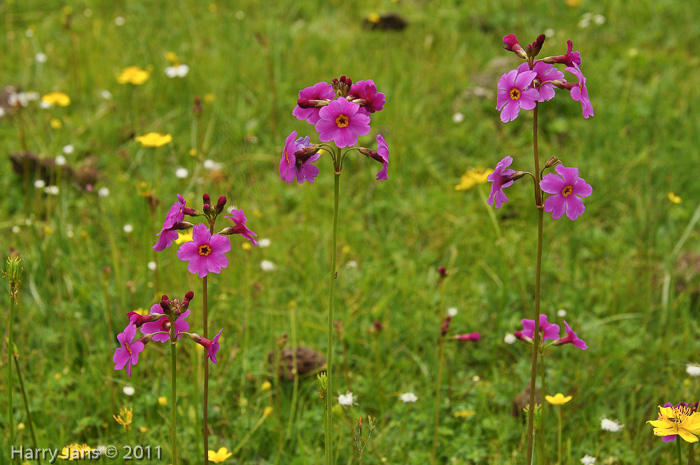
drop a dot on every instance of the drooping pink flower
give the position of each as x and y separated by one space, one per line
500 179
300 167
342 122
163 324
239 227
579 92
211 346
319 91
366 92
571 338
545 74
548 330
468 337
383 153
128 354
569 59
566 189
514 93
206 253
512 45
166 236
138 319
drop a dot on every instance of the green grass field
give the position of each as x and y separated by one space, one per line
626 272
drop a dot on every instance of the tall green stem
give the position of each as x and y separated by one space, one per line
678 448
10 351
205 401
691 454
559 435
543 392
538 275
173 393
438 384
331 304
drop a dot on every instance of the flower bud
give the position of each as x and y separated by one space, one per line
512 45
13 270
197 108
468 337
445 326
189 296
342 86
182 226
551 162
522 337
517 175
165 306
206 200
220 204
534 48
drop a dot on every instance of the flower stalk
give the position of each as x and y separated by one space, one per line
173 392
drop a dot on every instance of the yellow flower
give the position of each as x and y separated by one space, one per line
56 98
125 420
220 455
268 410
674 198
246 246
172 57
464 413
266 386
373 18
573 3
193 152
20 426
143 429
75 452
56 123
473 177
182 237
154 139
162 400
209 98
681 421
141 311
558 399
133 75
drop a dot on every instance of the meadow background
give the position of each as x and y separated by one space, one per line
624 272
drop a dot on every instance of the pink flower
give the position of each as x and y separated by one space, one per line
545 74
383 154
571 338
174 216
342 122
319 91
299 167
548 330
211 346
163 324
566 189
137 319
239 227
579 92
570 59
128 354
366 92
514 93
206 253
468 337
501 178
512 45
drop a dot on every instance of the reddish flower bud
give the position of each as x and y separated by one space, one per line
206 200
446 325
512 45
189 296
468 337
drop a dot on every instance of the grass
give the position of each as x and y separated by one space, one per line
83 272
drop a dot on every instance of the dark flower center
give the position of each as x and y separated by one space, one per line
204 250
568 190
515 94
342 121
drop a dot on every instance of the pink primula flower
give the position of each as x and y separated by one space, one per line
567 189
342 122
239 227
211 346
128 354
319 91
366 91
383 153
514 93
571 338
579 92
500 179
206 253
174 216
548 330
468 337
545 74
291 167
163 324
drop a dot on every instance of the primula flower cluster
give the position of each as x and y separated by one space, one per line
549 331
341 113
535 80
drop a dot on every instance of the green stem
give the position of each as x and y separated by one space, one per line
438 384
559 435
10 351
543 392
295 389
678 448
691 454
538 276
26 403
205 394
331 304
173 392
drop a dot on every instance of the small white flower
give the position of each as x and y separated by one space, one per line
549 33
15 229
40 57
29 33
509 338
152 266
60 160
105 94
103 191
28 221
346 399
476 378
561 313
232 208
70 233
102 449
587 460
2 112
128 390
68 149
599 19
408 397
181 173
44 105
212 165
119 21
611 425
240 15
583 24
128 228
452 311
177 71
351 264
458 118
39 184
693 370
264 243
267 265
87 12
51 190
